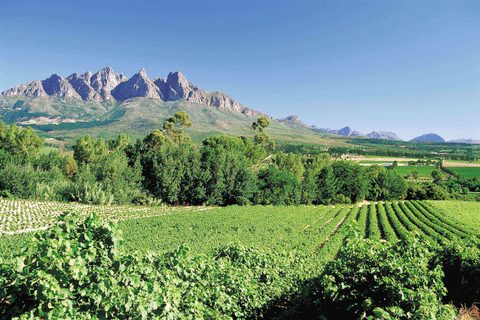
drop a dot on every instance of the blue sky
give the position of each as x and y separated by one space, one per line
410 67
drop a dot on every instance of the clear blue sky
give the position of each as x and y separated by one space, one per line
410 67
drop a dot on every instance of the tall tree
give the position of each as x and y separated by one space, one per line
262 138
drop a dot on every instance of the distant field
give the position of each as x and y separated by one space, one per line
423 171
387 159
47 150
460 162
380 162
467 172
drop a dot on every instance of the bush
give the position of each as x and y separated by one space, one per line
388 281
77 270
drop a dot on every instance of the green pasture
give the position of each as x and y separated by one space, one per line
467 172
423 171
47 150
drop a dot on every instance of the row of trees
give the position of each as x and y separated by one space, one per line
166 167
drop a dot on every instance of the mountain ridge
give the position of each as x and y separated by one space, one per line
106 85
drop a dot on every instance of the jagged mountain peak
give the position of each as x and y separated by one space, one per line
139 85
55 85
345 131
106 84
383 135
290 118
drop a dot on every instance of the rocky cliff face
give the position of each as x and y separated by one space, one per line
82 85
346 131
137 86
104 81
383 135
58 87
107 84
291 118
30 89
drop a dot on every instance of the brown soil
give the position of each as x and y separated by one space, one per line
454 164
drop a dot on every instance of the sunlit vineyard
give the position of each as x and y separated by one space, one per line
19 216
314 230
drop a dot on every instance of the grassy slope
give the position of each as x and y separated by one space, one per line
423 171
138 116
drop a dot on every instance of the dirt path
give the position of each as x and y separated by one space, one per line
454 164
331 234
309 225
384 159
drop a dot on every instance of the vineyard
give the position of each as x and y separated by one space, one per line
314 230
252 262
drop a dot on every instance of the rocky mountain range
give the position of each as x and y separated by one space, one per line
106 85
385 135
346 131
106 101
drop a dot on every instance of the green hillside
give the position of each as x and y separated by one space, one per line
138 116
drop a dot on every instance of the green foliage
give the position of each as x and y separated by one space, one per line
389 281
290 163
424 191
77 270
120 142
343 180
172 127
436 175
263 139
385 185
87 150
17 141
278 187
461 264
254 153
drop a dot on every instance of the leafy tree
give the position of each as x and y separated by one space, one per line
173 127
385 184
18 141
415 174
291 163
154 139
312 169
349 178
165 173
262 138
436 175
230 181
120 142
68 166
87 150
254 153
278 188
326 186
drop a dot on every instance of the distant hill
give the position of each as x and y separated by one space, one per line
294 122
469 141
428 137
383 135
346 131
